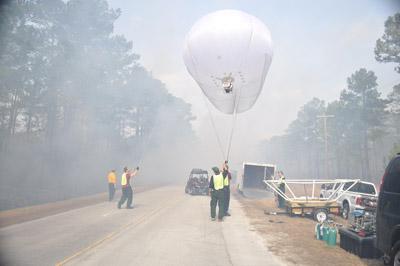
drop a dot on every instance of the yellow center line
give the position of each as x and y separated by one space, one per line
111 235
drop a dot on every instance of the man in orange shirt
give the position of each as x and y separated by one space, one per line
112 179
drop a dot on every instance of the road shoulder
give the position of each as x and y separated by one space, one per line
292 238
245 245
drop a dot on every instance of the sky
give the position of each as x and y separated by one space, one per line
317 45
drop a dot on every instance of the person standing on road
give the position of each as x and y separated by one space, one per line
112 180
127 192
227 190
217 194
281 200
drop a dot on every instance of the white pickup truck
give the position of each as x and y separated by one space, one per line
354 198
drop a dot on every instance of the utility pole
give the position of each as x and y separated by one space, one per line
325 117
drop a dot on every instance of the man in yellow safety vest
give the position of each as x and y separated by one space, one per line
217 194
112 179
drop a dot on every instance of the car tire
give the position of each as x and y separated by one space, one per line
386 259
395 254
320 215
345 211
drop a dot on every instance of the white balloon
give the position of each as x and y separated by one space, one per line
228 54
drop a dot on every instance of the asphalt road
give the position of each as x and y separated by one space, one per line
166 227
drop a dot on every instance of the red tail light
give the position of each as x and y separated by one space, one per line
358 201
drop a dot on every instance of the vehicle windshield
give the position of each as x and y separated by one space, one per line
353 186
200 176
360 187
367 189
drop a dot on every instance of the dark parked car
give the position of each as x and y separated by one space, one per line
197 183
388 213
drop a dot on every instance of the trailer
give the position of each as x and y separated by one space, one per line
307 203
251 181
254 174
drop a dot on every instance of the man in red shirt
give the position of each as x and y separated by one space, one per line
127 192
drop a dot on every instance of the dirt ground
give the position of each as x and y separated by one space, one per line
292 238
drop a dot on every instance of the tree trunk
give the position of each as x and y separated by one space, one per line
366 157
13 114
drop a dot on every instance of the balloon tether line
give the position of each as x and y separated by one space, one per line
237 99
233 123
208 108
215 129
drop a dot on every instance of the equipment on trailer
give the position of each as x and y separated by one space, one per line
308 203
363 221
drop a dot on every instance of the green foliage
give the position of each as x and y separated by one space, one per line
388 47
395 150
307 126
387 50
363 102
393 107
394 100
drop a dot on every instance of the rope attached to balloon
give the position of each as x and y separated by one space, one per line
234 118
233 124
214 127
237 99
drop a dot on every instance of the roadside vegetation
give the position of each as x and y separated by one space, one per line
74 101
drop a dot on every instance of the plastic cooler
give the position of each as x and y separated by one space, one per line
364 247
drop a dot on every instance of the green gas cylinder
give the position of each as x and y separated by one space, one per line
318 231
321 232
325 233
332 236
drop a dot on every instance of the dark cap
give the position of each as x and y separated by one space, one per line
216 170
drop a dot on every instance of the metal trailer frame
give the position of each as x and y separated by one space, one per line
319 207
